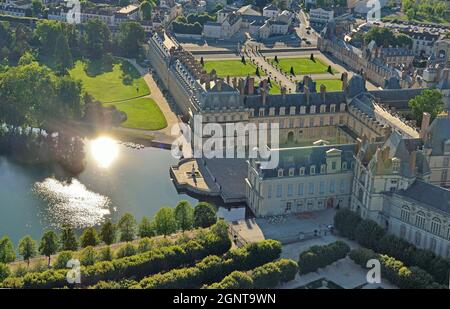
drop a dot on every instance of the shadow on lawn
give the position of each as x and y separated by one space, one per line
95 67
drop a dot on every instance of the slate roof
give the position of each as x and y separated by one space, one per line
397 98
306 157
439 132
428 194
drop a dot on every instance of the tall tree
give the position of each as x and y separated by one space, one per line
108 232
68 239
165 221
62 55
146 9
48 244
131 36
430 101
127 227
27 248
97 37
184 214
146 228
89 237
204 215
7 254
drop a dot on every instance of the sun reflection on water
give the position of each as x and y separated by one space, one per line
104 150
71 203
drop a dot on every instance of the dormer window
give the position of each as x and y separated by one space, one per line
302 171
344 165
332 108
312 170
261 112
395 165
291 172
280 173
323 169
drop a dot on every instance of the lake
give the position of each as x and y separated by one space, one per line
117 179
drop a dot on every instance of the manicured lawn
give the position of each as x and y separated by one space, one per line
331 84
108 84
302 65
275 88
231 68
143 113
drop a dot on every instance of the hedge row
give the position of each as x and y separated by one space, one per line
213 242
263 277
370 235
396 272
320 256
213 268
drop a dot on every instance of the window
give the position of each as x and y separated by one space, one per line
302 122
311 188
342 186
403 231
310 205
333 165
320 204
436 226
311 122
418 238
291 172
331 120
322 187
395 165
344 165
323 169
312 170
420 220
433 244
279 190
446 161
269 191
332 186
280 173
300 189
261 112
404 214
288 206
302 171
290 190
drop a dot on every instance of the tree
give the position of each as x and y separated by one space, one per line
36 7
346 221
311 57
184 214
243 59
62 55
27 248
146 9
165 222
89 237
131 36
4 271
202 62
146 228
276 59
97 38
204 215
105 254
88 256
108 232
69 240
49 244
292 70
257 71
430 101
329 70
7 254
369 233
127 227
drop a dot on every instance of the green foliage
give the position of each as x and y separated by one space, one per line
97 38
146 9
127 250
184 215
68 239
288 268
385 37
346 221
146 228
425 9
131 36
48 244
266 276
235 280
200 18
108 232
88 256
368 233
62 259
105 254
165 222
4 271
185 28
320 256
204 215
145 244
27 248
127 227
89 237
430 101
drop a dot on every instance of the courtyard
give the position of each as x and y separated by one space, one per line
331 84
301 66
232 68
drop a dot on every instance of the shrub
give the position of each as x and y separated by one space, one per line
346 221
62 259
288 268
145 244
320 256
105 254
4 271
266 276
368 234
204 215
127 250
88 256
235 280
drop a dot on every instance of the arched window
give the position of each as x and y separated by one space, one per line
402 231
436 226
420 220
418 238
404 215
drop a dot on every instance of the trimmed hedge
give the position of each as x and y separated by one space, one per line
263 277
136 266
320 256
212 268
376 239
395 271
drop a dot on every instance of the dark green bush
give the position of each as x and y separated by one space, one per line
320 256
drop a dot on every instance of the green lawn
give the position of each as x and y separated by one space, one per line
301 66
231 68
331 84
108 84
275 88
143 113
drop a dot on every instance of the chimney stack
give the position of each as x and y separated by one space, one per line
344 78
241 86
235 85
412 162
251 85
424 126
307 94
219 85
323 92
